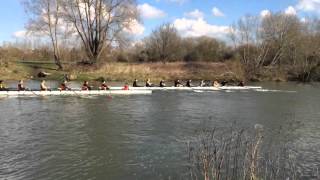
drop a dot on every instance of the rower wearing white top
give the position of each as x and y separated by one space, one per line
202 83
148 83
43 86
3 86
216 84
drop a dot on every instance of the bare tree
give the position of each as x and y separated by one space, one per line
163 43
279 31
46 20
100 23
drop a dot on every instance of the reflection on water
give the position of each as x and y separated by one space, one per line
140 137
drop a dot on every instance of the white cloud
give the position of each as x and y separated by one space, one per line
20 34
199 27
303 20
217 12
309 5
149 12
195 14
290 11
135 28
265 13
178 1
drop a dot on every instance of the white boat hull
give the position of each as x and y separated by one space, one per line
191 88
73 93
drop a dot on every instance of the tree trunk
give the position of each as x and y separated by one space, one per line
58 62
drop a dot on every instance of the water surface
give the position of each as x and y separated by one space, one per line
141 137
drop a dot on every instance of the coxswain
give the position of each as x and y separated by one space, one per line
188 84
202 83
43 86
21 86
148 83
3 86
135 83
64 87
177 83
104 86
85 86
125 87
241 84
216 84
162 83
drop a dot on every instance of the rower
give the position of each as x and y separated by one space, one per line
223 83
125 87
202 83
188 84
85 86
162 83
21 86
241 84
148 83
104 86
216 84
177 83
3 86
43 86
135 83
64 87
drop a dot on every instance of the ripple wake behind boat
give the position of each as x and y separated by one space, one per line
273 90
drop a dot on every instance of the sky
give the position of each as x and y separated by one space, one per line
190 17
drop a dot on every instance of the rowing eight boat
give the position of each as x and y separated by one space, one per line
192 88
73 93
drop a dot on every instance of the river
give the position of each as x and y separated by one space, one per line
143 136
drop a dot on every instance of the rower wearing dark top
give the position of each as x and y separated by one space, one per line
223 83
85 86
188 84
64 87
21 86
104 86
162 83
177 83
148 83
135 83
241 84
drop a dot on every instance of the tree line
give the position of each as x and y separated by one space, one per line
279 41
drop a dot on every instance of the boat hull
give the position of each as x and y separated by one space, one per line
73 93
191 88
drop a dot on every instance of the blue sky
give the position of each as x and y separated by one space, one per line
191 17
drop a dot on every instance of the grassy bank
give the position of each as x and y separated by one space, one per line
126 71
231 71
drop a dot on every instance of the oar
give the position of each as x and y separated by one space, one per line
33 92
74 91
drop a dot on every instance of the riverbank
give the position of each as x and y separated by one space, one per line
126 71
231 71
